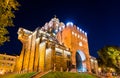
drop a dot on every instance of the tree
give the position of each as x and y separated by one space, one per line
110 56
7 8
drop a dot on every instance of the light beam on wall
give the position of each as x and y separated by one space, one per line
82 55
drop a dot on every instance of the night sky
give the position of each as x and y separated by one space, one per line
99 18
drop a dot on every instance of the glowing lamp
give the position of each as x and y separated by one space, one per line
69 24
82 31
85 33
78 28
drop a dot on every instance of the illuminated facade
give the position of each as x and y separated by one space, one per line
76 40
7 63
55 46
41 52
94 65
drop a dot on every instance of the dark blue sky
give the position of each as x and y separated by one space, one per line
99 18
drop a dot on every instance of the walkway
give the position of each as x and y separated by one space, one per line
40 74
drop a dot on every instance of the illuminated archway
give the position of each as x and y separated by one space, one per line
80 61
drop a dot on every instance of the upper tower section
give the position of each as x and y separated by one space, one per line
53 26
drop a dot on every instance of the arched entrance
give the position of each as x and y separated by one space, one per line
80 61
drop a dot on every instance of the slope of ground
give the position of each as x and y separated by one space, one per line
68 75
51 75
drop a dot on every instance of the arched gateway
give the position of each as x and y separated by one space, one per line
80 61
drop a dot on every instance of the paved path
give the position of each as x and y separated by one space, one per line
40 74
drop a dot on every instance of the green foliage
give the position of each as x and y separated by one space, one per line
7 8
68 75
109 56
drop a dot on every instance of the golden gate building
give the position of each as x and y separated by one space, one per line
54 46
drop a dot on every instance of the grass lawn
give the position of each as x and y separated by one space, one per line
51 75
68 75
25 75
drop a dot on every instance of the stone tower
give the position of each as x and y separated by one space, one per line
76 40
